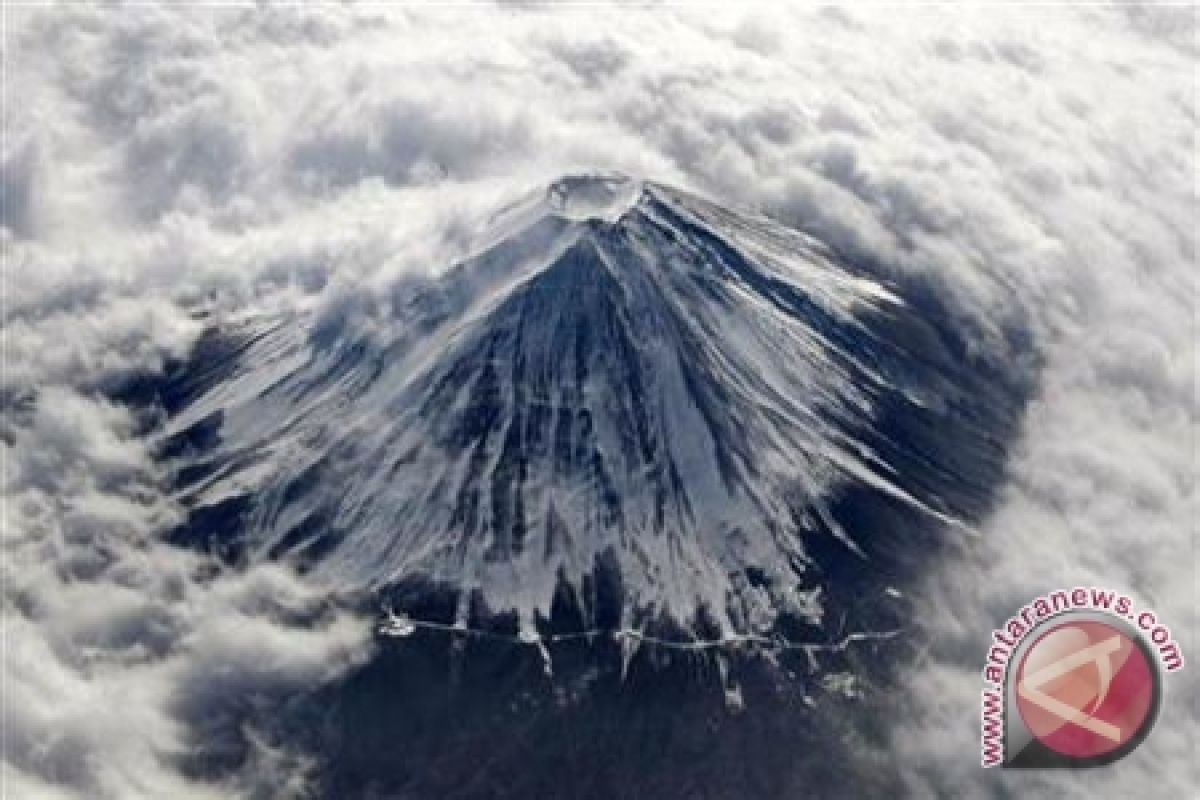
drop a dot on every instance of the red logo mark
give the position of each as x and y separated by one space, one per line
1085 688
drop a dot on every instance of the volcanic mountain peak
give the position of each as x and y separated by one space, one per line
632 397
602 196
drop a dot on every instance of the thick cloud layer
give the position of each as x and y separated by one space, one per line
1036 162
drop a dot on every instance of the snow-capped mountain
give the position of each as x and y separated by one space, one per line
625 383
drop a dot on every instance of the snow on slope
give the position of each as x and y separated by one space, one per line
626 377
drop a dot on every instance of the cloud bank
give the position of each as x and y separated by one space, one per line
1035 163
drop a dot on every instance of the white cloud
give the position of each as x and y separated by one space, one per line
1036 163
